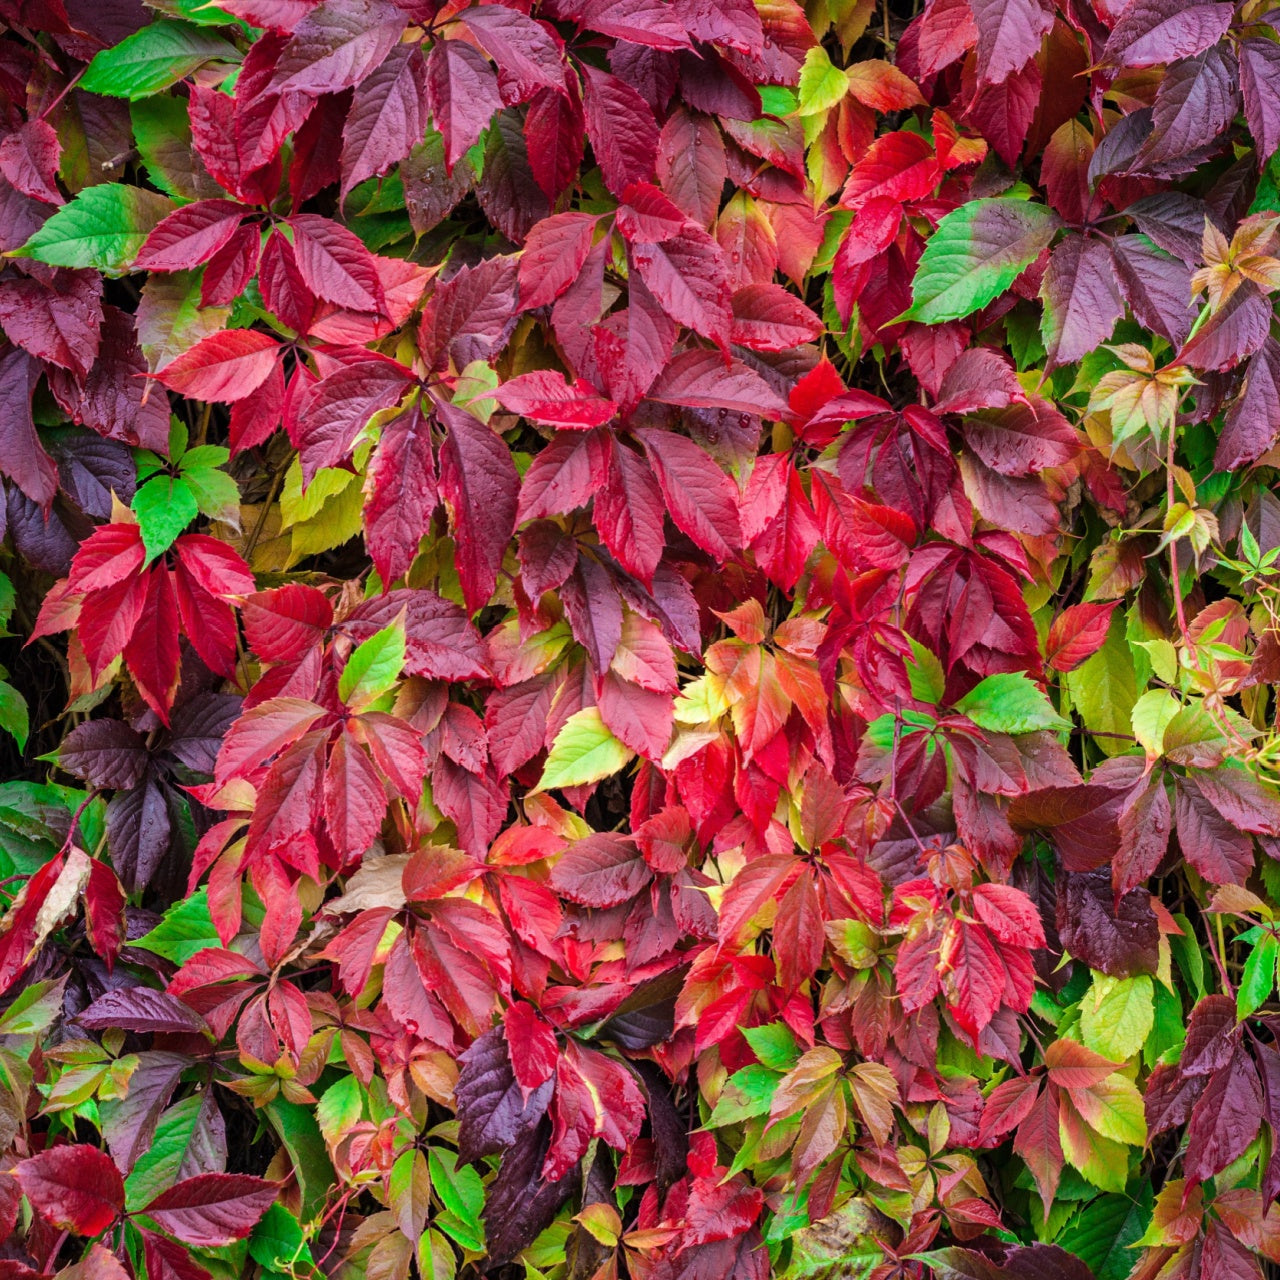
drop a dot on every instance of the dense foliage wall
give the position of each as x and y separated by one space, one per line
642 639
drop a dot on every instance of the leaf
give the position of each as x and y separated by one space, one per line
1081 300
554 253
153 58
212 1209
821 85
373 668
1259 63
190 235
336 45
76 1188
546 397
401 494
1116 1016
1077 633
688 276
387 117
225 366
1258 979
1009 703
1155 31
104 227
463 92
623 132
334 264
478 483
584 751
698 494
14 718
29 160
1009 35
975 254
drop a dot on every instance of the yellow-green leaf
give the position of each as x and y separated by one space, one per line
584 751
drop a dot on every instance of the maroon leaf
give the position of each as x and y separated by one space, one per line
440 643
623 132
766 317
463 92
479 485
23 458
1196 101
388 116
699 379
1225 1119
332 412
1155 31
1253 420
336 45
104 753
688 276
1156 286
1081 301
691 166
528 54
29 160
59 321
1259 66
140 1009
212 1209
1009 35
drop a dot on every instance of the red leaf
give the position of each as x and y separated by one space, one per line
699 379
700 497
1009 914
629 513
623 132
564 475
546 397
334 264
189 236
110 554
554 252
401 494
898 166
479 484
152 654
692 167
354 798
212 1209
284 623
225 366
555 137
104 904
766 317
531 1044
1078 631
1009 35
600 871
688 276
77 1188
463 92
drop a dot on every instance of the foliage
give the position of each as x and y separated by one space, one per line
643 639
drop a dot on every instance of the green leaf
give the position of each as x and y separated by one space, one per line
584 751
975 254
297 1129
165 505
1258 980
774 1044
103 227
1101 1233
1116 1015
1104 688
462 1193
822 86
154 58
1151 716
373 668
13 714
277 1242
159 1164
341 1106
216 493
1009 702
34 1009
187 927
928 680
8 598
746 1094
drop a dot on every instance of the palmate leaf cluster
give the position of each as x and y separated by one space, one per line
641 639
